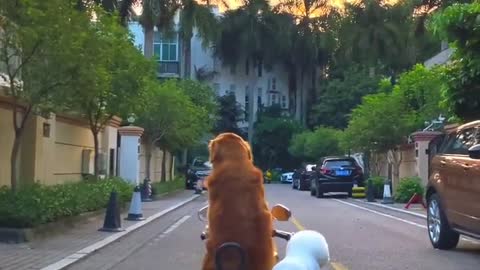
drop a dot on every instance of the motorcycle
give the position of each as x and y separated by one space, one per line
306 250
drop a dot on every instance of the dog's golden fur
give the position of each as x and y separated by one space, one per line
237 211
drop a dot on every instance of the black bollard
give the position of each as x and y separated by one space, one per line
146 190
112 222
370 191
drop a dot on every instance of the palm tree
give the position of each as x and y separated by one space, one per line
195 15
308 50
246 34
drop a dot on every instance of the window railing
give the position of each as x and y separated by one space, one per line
168 67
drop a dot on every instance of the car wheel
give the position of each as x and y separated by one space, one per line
439 231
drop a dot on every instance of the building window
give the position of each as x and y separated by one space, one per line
232 88
165 50
273 99
284 101
274 84
233 69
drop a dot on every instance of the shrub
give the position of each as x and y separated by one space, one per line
407 187
377 183
38 204
276 176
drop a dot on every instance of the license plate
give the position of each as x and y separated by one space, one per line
342 173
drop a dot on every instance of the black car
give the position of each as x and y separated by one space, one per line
302 177
336 174
198 170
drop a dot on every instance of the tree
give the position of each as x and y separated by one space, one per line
272 131
313 145
379 125
171 120
195 15
230 113
113 76
421 89
458 24
309 47
340 94
246 35
39 53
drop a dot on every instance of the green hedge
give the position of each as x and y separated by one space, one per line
38 204
407 187
177 183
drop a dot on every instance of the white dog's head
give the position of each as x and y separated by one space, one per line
306 250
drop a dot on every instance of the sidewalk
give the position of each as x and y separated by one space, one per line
414 209
41 253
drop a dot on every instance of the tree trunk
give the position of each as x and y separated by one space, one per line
251 102
187 57
96 169
164 165
292 89
303 95
172 157
18 128
185 157
148 46
13 161
148 158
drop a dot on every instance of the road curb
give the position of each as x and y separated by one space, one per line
83 253
394 209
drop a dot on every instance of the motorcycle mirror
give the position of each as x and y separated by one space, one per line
281 212
202 213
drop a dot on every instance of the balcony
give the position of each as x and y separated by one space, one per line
168 69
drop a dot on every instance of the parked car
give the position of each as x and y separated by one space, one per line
287 177
301 180
453 189
336 174
199 169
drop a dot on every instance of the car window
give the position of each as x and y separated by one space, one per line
460 142
338 163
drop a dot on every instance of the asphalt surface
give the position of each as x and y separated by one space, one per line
360 237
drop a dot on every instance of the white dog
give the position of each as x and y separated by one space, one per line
306 250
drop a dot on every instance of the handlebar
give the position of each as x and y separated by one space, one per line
276 233
282 234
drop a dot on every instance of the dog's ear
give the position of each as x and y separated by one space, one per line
212 148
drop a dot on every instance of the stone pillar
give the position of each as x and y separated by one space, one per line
422 141
129 167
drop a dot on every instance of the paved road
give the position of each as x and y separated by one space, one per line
360 238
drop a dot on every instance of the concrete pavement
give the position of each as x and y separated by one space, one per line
360 237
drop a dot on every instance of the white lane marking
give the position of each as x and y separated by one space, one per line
397 209
175 225
72 258
400 219
382 214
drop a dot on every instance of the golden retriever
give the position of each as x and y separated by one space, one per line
237 211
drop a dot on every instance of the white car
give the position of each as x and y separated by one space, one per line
287 177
